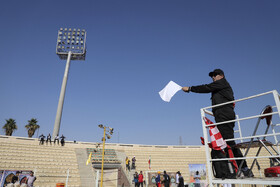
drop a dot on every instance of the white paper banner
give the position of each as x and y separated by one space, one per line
169 91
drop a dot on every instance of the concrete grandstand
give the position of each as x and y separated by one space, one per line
52 162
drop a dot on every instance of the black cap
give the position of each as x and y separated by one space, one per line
216 72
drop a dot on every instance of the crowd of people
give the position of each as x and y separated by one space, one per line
138 178
49 139
28 182
164 180
133 163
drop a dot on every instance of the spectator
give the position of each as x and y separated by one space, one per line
133 163
49 138
42 139
166 179
136 179
158 179
31 179
140 179
177 178
127 161
56 139
62 140
15 177
181 180
197 179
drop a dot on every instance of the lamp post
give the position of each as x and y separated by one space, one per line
103 150
71 45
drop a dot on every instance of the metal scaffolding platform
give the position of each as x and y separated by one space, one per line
255 140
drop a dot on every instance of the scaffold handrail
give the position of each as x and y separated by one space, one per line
259 138
242 119
242 158
243 99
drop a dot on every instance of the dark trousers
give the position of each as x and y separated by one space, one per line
133 165
49 140
42 141
56 140
227 130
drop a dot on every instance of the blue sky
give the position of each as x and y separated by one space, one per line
134 48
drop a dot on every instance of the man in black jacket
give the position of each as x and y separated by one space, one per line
221 93
166 179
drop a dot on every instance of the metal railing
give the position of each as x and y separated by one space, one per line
276 107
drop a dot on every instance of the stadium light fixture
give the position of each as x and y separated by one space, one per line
71 45
111 130
73 40
100 126
108 136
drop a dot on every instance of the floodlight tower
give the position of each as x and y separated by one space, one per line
71 45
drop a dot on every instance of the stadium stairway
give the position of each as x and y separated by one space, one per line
86 171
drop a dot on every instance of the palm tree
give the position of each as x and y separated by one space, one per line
10 126
31 127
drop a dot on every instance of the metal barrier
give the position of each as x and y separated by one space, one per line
276 114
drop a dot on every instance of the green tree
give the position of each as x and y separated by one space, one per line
10 126
31 127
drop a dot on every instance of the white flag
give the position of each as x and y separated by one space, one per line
169 91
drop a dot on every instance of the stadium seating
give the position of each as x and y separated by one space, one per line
51 162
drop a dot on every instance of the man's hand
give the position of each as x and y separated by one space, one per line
186 89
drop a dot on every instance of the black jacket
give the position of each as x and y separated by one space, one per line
181 182
166 179
221 92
